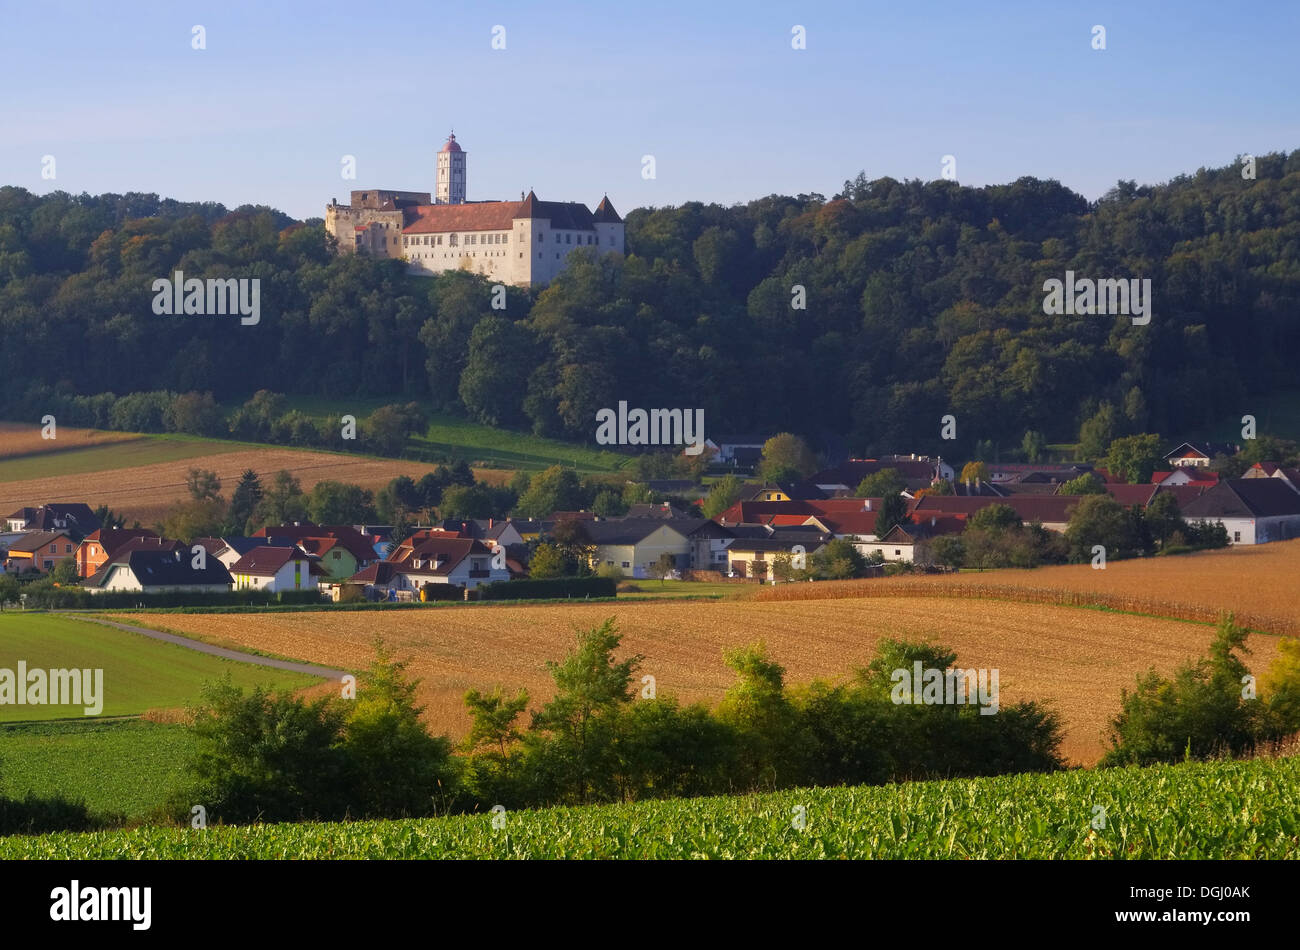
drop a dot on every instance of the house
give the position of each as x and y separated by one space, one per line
737 450
39 551
230 549
465 562
900 542
276 569
1186 475
665 510
348 537
98 547
1289 476
159 571
1198 454
1253 510
436 558
1051 511
75 518
754 551
634 545
1035 472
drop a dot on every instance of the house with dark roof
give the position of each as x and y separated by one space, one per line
753 553
1198 453
1252 510
158 571
634 545
100 545
73 517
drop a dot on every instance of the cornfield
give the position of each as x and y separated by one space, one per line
1215 810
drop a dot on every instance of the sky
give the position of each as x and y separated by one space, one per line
582 92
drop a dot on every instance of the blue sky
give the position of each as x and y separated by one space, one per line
582 91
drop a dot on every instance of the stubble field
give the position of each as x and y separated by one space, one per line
1079 660
1257 583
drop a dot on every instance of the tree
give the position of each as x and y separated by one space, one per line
887 481
395 768
203 485
765 721
974 472
722 495
244 501
838 559
1085 484
547 561
786 458
663 566
189 520
575 545
386 430
282 503
1200 711
590 685
1100 520
340 503
65 572
893 511
473 501
1033 446
555 489
1162 516
1133 457
1098 431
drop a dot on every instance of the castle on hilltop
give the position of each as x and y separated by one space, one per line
521 242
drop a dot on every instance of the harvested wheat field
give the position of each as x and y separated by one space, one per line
145 492
1078 659
1256 582
20 439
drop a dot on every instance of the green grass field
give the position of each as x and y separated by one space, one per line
140 450
122 767
1198 810
139 673
669 589
451 438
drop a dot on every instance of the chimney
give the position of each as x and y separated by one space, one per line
867 505
490 522
933 519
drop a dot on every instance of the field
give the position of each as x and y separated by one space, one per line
19 439
1257 582
139 673
141 483
1197 810
1080 660
452 438
117 766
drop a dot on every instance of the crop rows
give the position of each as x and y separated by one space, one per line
1205 810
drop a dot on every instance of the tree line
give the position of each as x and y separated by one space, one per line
872 314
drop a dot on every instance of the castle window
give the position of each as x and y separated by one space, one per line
452 240
568 239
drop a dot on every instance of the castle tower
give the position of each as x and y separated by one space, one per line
450 188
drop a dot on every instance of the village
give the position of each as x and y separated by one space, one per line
772 533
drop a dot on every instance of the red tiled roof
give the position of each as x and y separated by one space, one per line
497 216
266 561
452 145
1044 508
1129 495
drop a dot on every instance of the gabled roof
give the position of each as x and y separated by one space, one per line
1202 450
110 539
351 539
1129 495
35 540
605 213
627 531
162 569
1245 498
1030 508
76 517
440 555
266 561
497 216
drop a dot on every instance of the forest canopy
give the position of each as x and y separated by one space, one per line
920 299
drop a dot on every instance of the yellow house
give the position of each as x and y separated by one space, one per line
635 545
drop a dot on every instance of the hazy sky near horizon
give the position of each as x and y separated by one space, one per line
714 91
